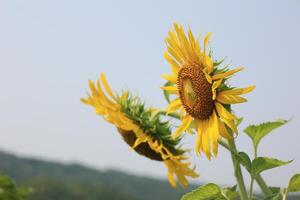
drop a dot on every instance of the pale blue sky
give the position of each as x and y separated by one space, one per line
49 49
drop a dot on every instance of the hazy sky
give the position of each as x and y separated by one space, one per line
49 49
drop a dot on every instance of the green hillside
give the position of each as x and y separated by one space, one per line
56 181
51 181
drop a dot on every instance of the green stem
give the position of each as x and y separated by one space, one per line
251 188
258 178
285 194
252 178
263 186
238 172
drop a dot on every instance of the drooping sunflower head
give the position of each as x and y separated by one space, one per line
141 128
203 96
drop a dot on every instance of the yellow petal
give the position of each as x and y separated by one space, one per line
206 39
230 124
170 89
216 85
206 141
176 55
186 122
170 78
214 132
239 91
208 64
230 99
174 106
223 131
174 65
106 86
226 74
208 77
224 113
198 144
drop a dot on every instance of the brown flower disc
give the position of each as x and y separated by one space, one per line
143 148
201 104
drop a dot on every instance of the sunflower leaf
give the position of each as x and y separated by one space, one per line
166 94
261 164
245 160
275 194
294 184
231 193
257 132
206 192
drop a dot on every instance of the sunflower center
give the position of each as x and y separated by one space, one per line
195 92
143 149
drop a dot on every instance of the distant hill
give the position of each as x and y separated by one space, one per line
55 181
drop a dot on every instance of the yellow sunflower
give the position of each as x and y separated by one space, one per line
203 96
141 128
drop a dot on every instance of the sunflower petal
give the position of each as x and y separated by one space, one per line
226 74
186 122
223 131
214 133
216 85
170 89
224 113
106 86
239 91
174 65
170 78
230 99
206 39
174 106
198 144
230 124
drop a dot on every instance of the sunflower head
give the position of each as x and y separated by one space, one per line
141 128
203 96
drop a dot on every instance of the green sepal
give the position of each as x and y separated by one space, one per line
217 63
150 122
166 94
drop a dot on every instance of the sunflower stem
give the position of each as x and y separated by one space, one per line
238 172
263 186
251 188
258 178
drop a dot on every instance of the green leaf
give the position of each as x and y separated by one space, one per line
245 160
231 193
206 192
9 190
257 132
261 164
294 184
275 194
166 94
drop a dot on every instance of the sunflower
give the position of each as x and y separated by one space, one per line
203 96
140 128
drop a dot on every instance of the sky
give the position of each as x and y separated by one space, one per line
49 49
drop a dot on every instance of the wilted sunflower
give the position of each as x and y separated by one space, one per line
141 128
204 98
